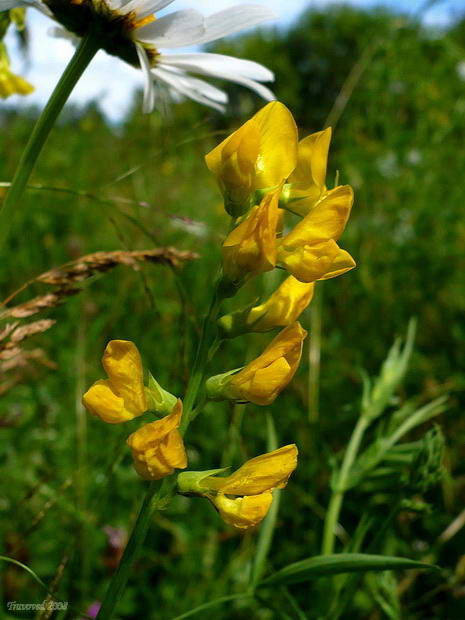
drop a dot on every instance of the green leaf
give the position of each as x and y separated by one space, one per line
326 565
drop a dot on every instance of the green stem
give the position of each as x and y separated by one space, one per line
86 50
337 497
201 359
151 502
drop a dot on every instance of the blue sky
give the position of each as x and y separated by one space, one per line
112 82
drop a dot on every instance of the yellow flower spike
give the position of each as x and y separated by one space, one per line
158 447
309 178
310 252
259 155
244 497
122 396
283 308
243 512
262 380
250 249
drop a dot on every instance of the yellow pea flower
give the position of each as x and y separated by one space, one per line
244 497
308 181
259 155
10 83
243 512
158 447
250 249
262 380
122 396
310 252
283 308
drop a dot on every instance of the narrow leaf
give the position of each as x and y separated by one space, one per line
326 565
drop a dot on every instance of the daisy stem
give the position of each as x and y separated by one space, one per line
86 50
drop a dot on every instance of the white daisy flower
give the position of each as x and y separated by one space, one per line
130 30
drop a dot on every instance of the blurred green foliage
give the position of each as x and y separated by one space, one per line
399 141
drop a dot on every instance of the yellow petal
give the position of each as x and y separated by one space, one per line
341 264
101 401
263 379
269 139
284 306
312 161
278 145
123 365
325 221
309 263
309 178
158 448
262 473
244 512
250 249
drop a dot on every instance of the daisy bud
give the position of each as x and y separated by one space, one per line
122 396
260 155
158 447
310 252
283 308
250 249
262 380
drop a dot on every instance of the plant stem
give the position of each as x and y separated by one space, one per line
118 583
153 499
335 504
201 359
314 355
86 50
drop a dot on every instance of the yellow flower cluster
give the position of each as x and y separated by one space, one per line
282 174
263 171
286 173
157 447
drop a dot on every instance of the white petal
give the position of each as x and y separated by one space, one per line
149 90
6 5
206 89
144 8
178 29
220 65
223 67
190 87
235 19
